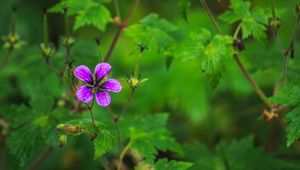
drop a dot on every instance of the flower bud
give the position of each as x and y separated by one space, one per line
46 51
275 23
117 20
62 140
60 127
298 9
68 42
135 83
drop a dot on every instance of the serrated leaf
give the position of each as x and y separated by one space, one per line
253 22
102 143
183 6
215 55
148 139
95 15
164 164
152 31
293 128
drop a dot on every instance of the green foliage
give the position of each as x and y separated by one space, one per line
163 164
152 31
146 138
239 154
88 12
290 96
33 128
183 6
253 22
103 143
212 51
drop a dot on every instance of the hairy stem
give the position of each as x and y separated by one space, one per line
41 158
6 57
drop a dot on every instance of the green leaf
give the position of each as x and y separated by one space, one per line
290 96
102 143
146 138
152 31
253 22
164 164
293 128
215 55
240 154
94 15
183 6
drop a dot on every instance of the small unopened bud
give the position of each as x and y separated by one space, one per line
60 127
62 140
135 83
298 8
117 21
275 23
68 42
46 51
238 44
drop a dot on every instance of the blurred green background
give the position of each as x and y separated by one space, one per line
196 112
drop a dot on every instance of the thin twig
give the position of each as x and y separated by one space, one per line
126 104
120 29
211 17
256 88
41 158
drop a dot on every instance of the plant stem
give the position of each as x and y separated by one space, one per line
113 44
255 87
91 112
6 57
117 126
123 153
120 29
116 3
125 105
224 158
236 33
211 17
42 157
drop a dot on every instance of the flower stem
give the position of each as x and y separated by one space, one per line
117 126
6 57
90 108
125 105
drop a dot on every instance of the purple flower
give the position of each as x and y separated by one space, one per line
97 84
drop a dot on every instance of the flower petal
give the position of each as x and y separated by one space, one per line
103 98
83 73
84 94
102 70
112 85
